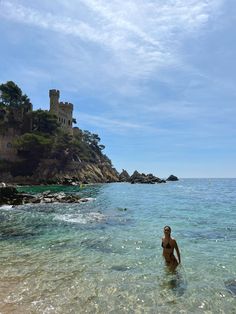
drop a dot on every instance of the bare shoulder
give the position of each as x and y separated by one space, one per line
175 243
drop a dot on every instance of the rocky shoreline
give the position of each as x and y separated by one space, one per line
9 195
87 176
69 179
52 171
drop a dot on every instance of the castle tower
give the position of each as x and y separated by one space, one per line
63 110
54 96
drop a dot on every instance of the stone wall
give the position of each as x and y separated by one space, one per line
65 115
7 150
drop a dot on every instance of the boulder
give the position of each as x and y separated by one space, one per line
172 178
144 178
10 196
8 191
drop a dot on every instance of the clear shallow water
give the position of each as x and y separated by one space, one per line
104 256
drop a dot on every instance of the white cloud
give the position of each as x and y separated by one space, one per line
141 36
109 123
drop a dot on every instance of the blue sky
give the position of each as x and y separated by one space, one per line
155 79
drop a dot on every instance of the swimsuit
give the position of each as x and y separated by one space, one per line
171 259
168 246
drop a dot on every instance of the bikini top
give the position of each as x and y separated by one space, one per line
168 246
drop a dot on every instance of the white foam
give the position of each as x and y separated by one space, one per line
96 217
81 218
6 207
87 199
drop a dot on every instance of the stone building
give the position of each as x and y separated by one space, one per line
63 110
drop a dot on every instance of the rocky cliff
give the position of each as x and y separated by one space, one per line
49 171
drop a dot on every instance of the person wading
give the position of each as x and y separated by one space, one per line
169 244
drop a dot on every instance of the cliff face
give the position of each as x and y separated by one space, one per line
50 171
83 172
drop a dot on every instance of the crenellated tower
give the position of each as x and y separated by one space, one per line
54 96
63 110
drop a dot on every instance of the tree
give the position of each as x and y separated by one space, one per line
44 122
11 94
90 138
15 104
25 102
33 146
61 144
93 141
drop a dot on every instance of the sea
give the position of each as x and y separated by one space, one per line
105 255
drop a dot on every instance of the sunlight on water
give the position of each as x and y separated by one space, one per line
104 256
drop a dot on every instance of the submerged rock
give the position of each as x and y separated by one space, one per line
120 268
231 286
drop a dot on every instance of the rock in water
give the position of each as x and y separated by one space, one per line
8 191
144 178
231 286
172 178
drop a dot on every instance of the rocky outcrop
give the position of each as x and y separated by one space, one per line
172 178
10 196
51 171
124 176
77 172
144 178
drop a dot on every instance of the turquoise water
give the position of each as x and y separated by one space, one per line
105 256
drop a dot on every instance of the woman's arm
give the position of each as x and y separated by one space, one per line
177 251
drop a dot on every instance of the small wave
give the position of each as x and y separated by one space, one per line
96 217
6 207
90 199
81 218
87 199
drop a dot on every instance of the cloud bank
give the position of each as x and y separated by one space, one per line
141 36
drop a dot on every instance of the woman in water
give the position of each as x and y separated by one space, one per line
169 244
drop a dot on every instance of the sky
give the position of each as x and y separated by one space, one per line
156 79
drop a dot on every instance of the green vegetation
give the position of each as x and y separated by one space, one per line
44 123
40 135
14 107
12 96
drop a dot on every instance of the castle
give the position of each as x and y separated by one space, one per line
63 111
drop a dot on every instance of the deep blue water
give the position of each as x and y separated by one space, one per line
105 256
